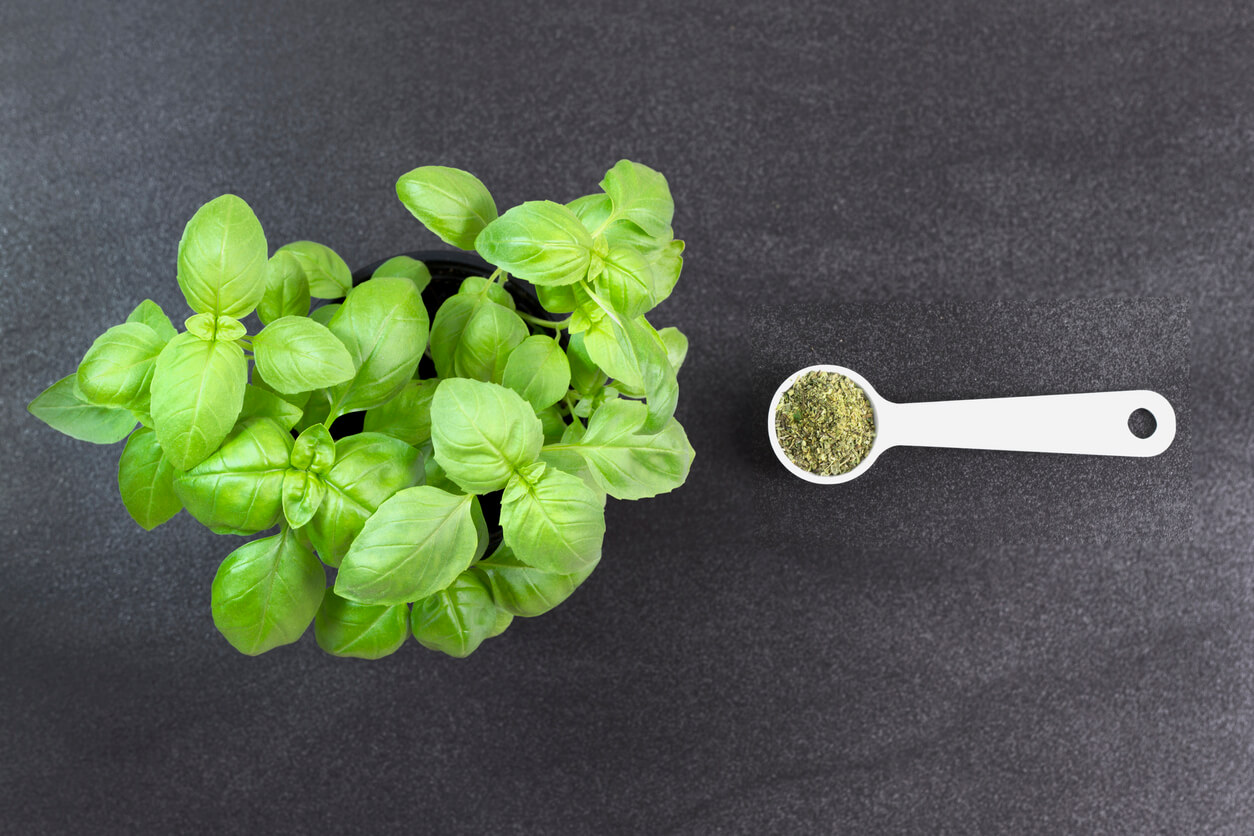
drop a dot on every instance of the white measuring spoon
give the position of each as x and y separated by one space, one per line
1094 423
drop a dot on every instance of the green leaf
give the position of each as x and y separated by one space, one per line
287 288
640 195
222 259
627 282
303 492
317 410
503 620
552 520
406 416
490 335
240 486
676 346
314 450
117 369
361 631
538 370
413 546
633 353
262 403
433 474
65 409
540 241
369 468
524 590
327 274
266 593
667 262
404 267
296 354
323 315
553 423
627 462
490 290
595 211
383 323
455 620
562 298
482 433
149 313
586 377
452 203
209 327
197 393
146 481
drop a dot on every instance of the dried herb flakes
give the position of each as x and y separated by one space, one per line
825 424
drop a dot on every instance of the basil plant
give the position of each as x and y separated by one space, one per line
551 414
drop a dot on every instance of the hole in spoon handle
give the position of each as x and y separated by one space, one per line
1095 423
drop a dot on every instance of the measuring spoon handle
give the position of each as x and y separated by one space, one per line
1094 423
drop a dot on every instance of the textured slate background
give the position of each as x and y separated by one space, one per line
958 200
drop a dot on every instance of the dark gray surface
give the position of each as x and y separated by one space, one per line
955 199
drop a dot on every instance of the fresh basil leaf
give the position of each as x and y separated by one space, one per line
404 267
482 433
303 492
314 450
562 298
142 416
149 313
633 353
146 481
642 196
552 520
666 262
262 403
406 416
317 410
452 203
457 619
361 631
327 274
369 468
383 323
676 346
524 590
490 335
197 393
540 241
503 620
538 370
585 377
117 369
296 354
625 461
433 474
222 259
595 211
287 288
266 593
627 282
240 486
323 315
65 409
210 327
553 423
413 546
479 286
